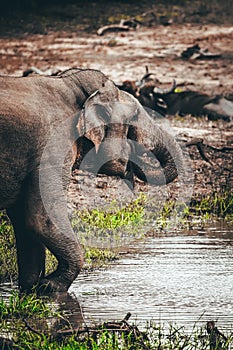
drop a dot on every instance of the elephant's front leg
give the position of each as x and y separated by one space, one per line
30 250
65 247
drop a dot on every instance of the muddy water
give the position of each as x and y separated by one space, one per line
179 279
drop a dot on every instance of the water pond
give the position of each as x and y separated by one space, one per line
179 279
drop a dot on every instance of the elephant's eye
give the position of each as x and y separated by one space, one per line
106 128
131 133
134 117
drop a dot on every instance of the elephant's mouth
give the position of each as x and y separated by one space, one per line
115 167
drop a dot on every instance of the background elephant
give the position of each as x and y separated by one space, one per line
42 120
172 102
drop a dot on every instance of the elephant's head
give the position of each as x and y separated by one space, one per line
118 137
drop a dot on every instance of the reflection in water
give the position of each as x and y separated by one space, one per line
65 304
176 279
179 279
69 306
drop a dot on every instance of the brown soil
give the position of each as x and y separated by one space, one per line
124 55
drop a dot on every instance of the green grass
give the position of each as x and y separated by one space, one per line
19 312
114 217
218 204
111 226
21 306
8 264
102 229
94 257
17 309
108 340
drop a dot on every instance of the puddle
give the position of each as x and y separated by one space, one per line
179 279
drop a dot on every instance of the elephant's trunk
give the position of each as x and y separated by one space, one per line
110 158
113 156
114 167
158 159
114 151
156 174
171 160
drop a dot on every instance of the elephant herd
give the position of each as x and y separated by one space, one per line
45 121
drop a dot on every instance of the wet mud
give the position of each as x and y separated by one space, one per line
123 56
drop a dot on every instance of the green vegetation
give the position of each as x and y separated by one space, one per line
8 264
114 217
24 306
110 226
100 230
218 204
94 257
29 322
25 321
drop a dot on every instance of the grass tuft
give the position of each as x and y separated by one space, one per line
114 216
21 306
218 204
8 261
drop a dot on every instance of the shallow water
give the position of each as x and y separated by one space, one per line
179 279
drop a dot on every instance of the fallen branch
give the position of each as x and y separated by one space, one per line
201 147
122 327
124 25
113 28
222 149
31 328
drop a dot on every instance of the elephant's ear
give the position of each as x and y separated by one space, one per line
91 123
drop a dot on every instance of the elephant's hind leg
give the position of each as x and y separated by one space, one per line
30 250
50 222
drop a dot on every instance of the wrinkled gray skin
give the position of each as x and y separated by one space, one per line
30 109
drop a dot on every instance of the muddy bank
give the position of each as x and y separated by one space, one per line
89 191
124 55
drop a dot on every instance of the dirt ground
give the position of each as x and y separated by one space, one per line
124 55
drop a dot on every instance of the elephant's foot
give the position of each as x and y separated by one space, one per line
59 280
45 287
49 286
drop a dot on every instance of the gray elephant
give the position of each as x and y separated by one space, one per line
44 122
